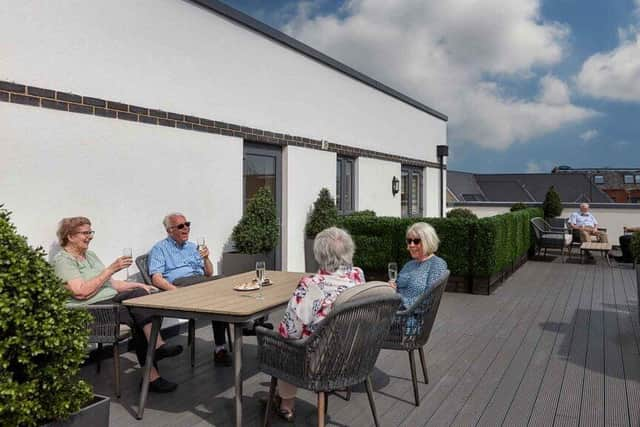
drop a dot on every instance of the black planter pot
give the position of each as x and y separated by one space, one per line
310 264
95 414
236 262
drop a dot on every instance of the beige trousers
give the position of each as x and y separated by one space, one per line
286 390
585 236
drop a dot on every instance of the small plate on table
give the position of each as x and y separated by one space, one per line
248 286
267 282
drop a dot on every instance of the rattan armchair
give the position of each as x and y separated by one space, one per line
411 328
548 237
341 352
142 262
106 329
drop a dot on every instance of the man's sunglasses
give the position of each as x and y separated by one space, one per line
414 241
183 225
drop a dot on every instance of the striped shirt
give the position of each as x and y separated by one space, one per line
175 261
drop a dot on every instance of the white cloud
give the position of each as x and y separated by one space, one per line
589 135
616 74
452 55
533 167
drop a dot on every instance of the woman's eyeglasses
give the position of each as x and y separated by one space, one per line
86 233
183 225
414 241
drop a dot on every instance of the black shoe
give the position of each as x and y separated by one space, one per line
264 325
160 385
222 358
167 350
248 332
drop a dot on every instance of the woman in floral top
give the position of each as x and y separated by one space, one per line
314 297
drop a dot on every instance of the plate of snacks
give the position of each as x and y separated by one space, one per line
248 286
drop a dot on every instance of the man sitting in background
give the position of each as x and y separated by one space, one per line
586 224
175 261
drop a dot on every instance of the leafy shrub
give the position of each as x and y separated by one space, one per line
366 212
552 206
42 343
258 230
635 246
323 215
461 213
518 207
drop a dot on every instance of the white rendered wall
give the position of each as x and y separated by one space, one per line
305 173
431 195
124 176
373 186
176 56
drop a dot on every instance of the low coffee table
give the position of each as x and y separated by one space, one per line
603 248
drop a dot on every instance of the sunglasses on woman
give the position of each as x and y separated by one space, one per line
414 241
183 225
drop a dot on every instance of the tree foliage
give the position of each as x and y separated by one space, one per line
323 215
552 206
258 230
461 213
42 342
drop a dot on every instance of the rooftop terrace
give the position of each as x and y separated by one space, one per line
556 344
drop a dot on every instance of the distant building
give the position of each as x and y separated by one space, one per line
621 184
529 187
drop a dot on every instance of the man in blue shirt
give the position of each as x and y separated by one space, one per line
586 224
175 261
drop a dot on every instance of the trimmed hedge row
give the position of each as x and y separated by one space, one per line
472 248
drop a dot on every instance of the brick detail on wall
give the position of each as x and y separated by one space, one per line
48 98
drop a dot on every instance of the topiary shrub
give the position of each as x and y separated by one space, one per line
518 207
323 215
552 206
461 213
258 230
635 246
42 343
364 213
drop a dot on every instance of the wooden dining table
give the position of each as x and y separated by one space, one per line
216 300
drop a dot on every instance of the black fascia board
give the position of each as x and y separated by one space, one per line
280 37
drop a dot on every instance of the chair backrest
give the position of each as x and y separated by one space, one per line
411 327
143 265
559 223
539 226
345 346
364 290
105 326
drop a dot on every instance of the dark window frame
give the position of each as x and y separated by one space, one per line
345 203
410 172
598 179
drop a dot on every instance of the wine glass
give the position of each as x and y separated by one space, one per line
392 270
201 243
127 252
260 267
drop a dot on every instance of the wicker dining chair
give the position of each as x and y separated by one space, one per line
341 352
142 262
411 328
106 329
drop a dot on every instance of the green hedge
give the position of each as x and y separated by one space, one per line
472 248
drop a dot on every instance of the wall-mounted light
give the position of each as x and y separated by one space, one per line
395 186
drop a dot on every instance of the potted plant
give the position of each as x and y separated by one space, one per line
42 342
255 236
552 206
324 214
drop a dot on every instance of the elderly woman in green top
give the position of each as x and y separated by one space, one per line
90 282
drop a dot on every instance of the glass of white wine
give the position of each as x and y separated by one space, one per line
201 243
127 252
392 270
260 267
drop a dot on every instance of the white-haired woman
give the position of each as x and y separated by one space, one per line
418 275
314 297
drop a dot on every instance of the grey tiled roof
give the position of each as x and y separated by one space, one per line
525 187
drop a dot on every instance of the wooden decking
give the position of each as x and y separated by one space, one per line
556 344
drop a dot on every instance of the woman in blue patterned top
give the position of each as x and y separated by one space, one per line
418 275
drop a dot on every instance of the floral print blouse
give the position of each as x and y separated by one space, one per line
313 299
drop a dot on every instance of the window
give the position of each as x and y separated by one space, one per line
411 191
473 197
344 185
637 179
628 179
598 179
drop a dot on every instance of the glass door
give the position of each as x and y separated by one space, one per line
411 192
262 166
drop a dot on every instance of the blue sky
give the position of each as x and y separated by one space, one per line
527 84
